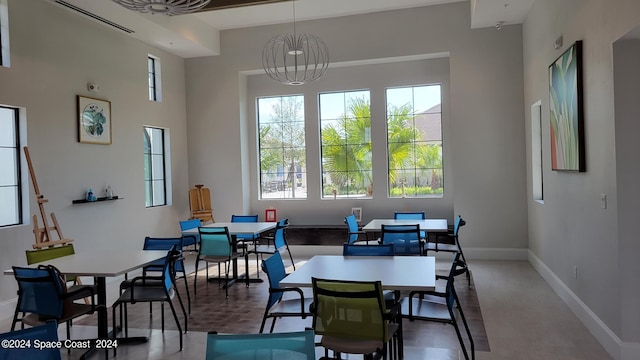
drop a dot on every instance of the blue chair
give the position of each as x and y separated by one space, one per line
190 239
367 250
216 246
46 333
276 305
289 345
412 215
154 289
405 238
354 231
43 296
439 307
279 243
451 243
154 243
244 239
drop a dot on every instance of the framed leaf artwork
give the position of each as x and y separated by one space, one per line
94 121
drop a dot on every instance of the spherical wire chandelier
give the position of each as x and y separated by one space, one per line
167 7
295 59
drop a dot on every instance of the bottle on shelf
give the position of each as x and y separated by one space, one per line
90 196
108 192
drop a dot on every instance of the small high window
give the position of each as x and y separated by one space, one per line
4 33
155 88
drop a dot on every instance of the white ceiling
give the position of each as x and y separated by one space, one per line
197 35
485 12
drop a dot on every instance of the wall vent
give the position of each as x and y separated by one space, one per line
93 16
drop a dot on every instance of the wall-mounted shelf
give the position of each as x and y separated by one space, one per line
85 201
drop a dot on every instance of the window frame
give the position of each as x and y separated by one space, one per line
414 150
19 206
300 181
4 34
342 128
154 73
149 173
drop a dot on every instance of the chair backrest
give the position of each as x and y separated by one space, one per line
273 266
39 291
169 268
215 241
190 224
155 243
190 239
289 345
244 218
405 238
450 289
352 225
409 215
44 333
279 240
368 250
40 255
456 227
349 309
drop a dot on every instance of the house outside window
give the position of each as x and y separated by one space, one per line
414 141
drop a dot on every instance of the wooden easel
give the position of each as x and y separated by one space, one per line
200 204
43 234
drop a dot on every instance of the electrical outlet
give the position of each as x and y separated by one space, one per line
575 272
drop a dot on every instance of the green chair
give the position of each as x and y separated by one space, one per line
278 346
352 318
54 252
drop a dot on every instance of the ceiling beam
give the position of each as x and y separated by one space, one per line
228 4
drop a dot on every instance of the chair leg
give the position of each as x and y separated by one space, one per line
186 286
264 320
186 321
195 278
161 315
175 317
291 257
466 326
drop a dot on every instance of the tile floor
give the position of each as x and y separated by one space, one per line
523 317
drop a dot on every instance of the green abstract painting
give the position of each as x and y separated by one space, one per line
566 114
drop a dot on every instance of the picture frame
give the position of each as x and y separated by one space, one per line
357 212
566 114
94 120
270 215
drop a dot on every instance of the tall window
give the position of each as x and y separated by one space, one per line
536 151
283 173
10 176
345 127
153 65
155 168
414 140
4 33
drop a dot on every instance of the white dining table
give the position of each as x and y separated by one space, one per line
101 264
239 228
428 225
394 272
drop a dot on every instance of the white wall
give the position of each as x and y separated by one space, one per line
487 162
53 55
570 228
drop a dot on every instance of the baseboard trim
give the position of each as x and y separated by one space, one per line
605 336
7 309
